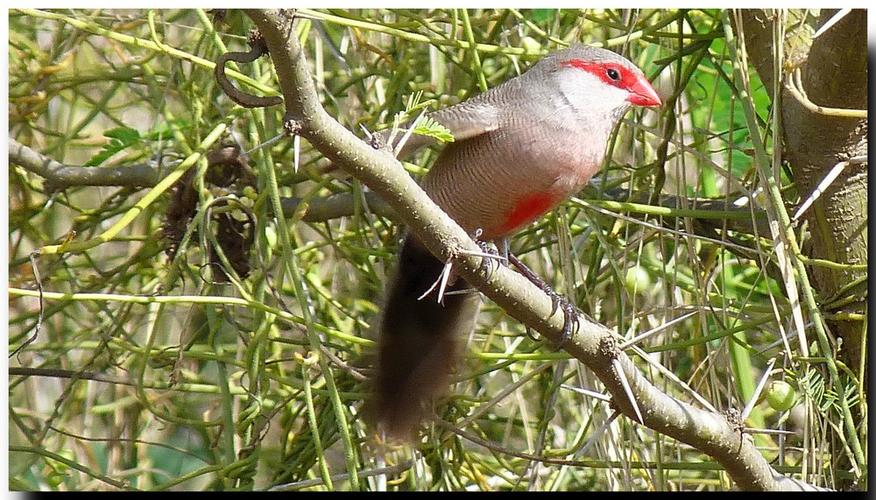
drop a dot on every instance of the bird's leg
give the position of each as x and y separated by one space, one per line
502 246
557 300
502 254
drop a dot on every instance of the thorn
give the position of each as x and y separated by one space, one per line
486 255
833 20
429 290
442 280
820 189
635 340
531 335
267 143
593 394
407 134
777 432
598 433
296 155
615 363
445 275
374 140
760 385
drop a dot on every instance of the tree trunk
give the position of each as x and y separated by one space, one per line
834 74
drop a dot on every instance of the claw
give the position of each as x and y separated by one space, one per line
529 334
488 253
487 268
569 315
557 301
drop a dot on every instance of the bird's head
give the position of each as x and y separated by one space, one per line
598 78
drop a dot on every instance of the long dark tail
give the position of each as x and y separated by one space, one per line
418 341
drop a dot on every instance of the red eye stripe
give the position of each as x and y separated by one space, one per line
600 69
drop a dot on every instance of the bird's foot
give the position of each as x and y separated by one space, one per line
488 254
502 255
557 301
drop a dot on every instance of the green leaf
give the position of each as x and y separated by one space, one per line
541 15
122 138
430 128
126 137
124 134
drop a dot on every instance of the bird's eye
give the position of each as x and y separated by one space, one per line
613 74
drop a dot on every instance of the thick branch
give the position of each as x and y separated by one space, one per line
593 344
60 176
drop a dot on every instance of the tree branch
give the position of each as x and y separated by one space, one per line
592 344
60 176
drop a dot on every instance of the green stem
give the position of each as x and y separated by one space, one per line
302 298
479 69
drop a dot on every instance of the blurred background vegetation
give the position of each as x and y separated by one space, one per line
158 362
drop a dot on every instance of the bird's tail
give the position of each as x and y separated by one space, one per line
419 340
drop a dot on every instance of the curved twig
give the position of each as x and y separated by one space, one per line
257 49
794 85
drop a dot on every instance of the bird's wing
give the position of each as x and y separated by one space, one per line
468 119
465 120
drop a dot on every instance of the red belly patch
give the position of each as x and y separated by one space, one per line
527 210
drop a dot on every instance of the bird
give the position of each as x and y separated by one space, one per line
519 150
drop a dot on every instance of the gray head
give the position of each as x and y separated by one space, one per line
585 71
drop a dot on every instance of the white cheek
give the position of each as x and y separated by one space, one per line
587 92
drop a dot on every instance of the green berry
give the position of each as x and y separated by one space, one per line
530 44
54 479
781 395
637 280
271 237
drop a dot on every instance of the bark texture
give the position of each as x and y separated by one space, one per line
834 74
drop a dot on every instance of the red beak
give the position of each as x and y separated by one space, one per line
643 94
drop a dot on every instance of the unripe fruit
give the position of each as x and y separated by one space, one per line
781 395
637 280
54 479
271 237
530 44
